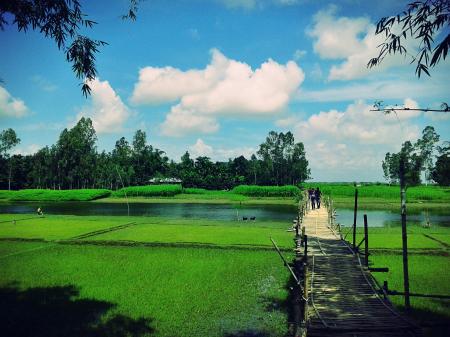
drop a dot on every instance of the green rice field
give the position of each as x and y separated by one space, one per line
428 262
154 277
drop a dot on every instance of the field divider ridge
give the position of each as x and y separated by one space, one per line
100 231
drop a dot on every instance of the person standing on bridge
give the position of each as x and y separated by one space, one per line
312 198
317 194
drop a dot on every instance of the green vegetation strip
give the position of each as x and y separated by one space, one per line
424 193
54 195
170 291
267 191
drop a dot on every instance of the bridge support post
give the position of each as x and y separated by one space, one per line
355 213
366 241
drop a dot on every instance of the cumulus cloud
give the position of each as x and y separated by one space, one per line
287 122
374 90
353 141
225 87
180 122
352 40
27 150
11 106
107 111
200 148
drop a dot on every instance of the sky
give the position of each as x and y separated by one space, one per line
214 77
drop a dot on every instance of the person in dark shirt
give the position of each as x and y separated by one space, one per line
317 195
312 198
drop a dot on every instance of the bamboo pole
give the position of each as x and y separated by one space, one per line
355 213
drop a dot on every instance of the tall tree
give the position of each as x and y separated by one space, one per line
427 145
441 172
283 160
8 140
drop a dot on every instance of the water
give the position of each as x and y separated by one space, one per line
387 218
376 218
202 211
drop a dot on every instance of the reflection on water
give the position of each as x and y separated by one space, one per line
202 211
377 218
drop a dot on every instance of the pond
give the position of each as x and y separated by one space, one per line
202 211
388 218
376 218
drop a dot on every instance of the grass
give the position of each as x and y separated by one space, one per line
54 195
427 276
372 196
177 292
391 238
267 191
164 190
428 261
101 287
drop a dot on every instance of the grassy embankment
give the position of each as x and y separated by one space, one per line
384 196
370 196
164 194
428 269
159 277
54 195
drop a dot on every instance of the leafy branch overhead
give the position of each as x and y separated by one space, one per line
61 21
427 21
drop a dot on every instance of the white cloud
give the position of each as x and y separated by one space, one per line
350 144
437 115
219 154
337 38
225 87
27 150
11 106
107 111
374 90
200 149
180 122
287 122
352 40
298 54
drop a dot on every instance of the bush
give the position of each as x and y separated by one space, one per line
267 191
164 190
55 195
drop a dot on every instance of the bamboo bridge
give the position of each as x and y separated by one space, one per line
335 293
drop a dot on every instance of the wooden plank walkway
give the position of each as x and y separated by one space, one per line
343 300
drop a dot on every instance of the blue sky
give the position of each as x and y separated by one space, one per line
215 76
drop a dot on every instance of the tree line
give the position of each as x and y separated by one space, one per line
422 158
74 163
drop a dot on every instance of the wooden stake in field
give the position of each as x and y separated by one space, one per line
355 212
404 234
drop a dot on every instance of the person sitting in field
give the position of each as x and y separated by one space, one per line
39 211
317 194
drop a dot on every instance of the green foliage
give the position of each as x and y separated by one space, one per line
61 21
165 190
424 21
55 195
387 192
267 191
